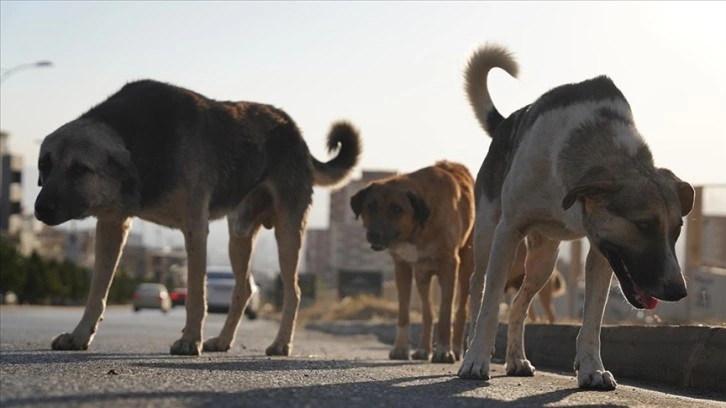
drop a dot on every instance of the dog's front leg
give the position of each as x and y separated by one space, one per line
476 361
588 364
404 279
466 266
423 284
447 281
195 239
110 238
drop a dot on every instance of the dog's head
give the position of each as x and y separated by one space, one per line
635 222
389 212
84 170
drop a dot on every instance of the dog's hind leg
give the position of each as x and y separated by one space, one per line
462 298
110 240
539 264
289 228
195 232
477 358
404 279
240 255
482 237
588 364
243 225
532 313
545 299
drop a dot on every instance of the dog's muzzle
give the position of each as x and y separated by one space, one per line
46 212
376 239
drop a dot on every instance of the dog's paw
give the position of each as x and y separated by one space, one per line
520 368
279 348
67 341
421 354
457 354
598 380
474 368
216 344
399 353
443 357
184 347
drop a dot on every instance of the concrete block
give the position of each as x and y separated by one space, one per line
684 356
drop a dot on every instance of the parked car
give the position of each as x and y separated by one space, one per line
151 296
9 298
220 284
178 297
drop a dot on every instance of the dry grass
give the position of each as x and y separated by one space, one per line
328 307
364 307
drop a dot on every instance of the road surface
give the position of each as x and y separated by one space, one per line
128 365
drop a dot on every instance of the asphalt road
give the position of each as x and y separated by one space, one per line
128 365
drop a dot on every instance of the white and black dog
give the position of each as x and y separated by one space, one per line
570 165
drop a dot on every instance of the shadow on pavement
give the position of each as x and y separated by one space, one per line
369 393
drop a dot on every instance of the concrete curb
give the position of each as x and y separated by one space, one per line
684 356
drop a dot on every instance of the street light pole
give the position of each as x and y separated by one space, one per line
39 64
3 76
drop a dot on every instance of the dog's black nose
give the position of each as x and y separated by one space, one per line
44 211
374 237
674 292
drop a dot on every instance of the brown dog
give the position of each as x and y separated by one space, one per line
424 219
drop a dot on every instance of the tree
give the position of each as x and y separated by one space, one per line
35 289
13 273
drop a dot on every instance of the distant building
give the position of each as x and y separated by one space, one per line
163 265
317 251
11 191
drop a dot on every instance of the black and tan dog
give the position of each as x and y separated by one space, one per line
424 219
570 165
176 158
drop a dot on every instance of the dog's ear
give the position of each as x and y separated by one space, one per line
595 182
356 202
421 211
686 193
687 197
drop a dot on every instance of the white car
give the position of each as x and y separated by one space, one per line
151 296
220 284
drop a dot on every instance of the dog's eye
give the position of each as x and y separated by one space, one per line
78 169
646 225
396 209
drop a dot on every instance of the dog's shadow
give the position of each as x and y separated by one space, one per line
443 390
45 356
376 383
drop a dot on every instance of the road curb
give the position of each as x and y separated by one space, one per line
684 356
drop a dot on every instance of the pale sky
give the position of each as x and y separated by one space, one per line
392 68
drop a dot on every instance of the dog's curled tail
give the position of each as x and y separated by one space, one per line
483 60
344 138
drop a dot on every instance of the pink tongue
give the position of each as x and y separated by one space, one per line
648 301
